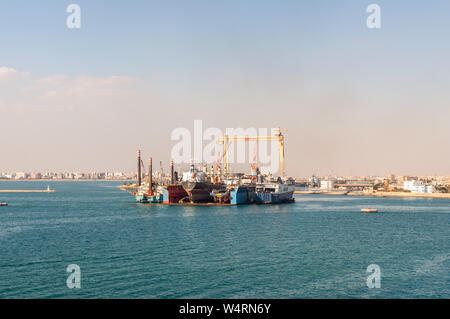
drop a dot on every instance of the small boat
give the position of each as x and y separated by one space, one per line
3 204
143 196
369 210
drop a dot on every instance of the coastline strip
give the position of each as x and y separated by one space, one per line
25 191
378 194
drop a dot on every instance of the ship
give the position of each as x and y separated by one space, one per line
197 187
236 195
143 195
275 193
243 194
174 194
258 189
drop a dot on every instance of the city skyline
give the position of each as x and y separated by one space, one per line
354 101
47 175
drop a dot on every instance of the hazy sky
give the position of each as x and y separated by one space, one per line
355 101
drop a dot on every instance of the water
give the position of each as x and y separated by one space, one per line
319 247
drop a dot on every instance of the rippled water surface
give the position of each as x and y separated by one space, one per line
318 247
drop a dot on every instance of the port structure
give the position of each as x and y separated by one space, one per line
226 141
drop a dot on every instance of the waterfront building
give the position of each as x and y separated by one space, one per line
391 178
327 184
36 176
416 186
21 175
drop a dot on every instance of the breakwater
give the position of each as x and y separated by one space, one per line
26 191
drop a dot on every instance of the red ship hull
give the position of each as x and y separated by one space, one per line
174 194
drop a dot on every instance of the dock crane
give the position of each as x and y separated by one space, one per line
255 169
278 136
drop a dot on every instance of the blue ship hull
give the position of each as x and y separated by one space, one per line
149 199
241 195
276 198
246 194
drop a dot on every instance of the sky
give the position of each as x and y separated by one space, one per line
354 100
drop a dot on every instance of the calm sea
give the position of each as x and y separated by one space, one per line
319 247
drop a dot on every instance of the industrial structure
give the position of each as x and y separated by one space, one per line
196 186
226 140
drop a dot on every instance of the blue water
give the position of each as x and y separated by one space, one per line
319 247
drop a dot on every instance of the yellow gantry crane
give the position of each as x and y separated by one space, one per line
226 140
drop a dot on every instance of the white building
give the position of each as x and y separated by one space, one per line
21 175
417 187
327 184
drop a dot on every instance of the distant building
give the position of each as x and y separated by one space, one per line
36 176
21 175
314 181
69 175
416 186
79 175
326 184
391 178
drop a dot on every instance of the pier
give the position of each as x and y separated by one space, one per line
26 191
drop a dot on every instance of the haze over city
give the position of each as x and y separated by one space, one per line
354 101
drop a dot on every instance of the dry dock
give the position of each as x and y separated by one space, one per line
198 204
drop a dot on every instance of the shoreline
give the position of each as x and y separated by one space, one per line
403 194
26 191
66 180
380 194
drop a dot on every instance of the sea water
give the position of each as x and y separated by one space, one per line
318 247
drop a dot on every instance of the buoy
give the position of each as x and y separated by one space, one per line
369 210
